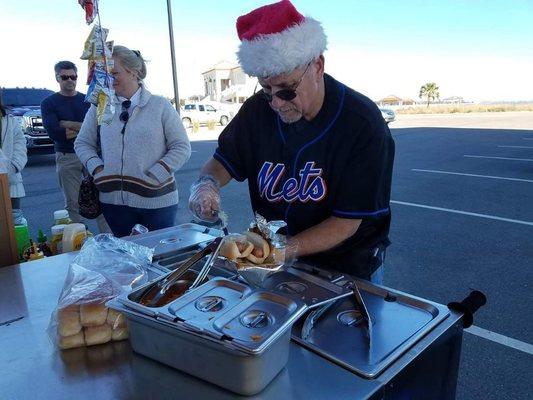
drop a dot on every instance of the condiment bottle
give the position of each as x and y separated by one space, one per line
73 237
61 217
56 243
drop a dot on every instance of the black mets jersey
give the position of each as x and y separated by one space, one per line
338 164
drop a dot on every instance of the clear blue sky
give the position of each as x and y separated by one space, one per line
491 37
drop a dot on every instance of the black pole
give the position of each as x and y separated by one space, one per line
173 57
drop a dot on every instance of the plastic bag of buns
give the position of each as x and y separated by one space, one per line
104 268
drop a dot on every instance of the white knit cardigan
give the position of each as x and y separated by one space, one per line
14 149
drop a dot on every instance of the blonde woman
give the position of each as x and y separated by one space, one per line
140 151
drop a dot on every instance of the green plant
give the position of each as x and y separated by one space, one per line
430 91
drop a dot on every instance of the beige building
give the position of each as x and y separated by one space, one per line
393 100
226 82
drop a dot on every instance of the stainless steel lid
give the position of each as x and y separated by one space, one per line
198 308
232 311
301 286
398 322
258 320
173 240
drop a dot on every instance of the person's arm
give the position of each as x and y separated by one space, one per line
178 146
325 236
75 126
72 128
20 155
227 163
51 122
217 171
86 142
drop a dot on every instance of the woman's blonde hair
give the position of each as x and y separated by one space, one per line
132 60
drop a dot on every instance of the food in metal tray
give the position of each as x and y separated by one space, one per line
173 286
174 291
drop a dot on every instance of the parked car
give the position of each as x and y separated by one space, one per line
203 113
25 105
388 114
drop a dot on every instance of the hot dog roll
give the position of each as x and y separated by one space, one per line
68 320
98 334
120 334
261 248
69 342
93 314
115 319
233 249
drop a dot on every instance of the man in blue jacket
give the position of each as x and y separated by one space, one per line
63 113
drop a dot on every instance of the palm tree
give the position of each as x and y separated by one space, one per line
430 91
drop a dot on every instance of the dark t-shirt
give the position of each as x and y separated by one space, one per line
338 164
57 107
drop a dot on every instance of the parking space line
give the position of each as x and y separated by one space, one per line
518 147
500 158
515 221
501 339
473 175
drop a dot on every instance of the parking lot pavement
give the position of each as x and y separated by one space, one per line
462 220
459 223
505 120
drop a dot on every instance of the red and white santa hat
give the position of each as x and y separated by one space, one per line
276 39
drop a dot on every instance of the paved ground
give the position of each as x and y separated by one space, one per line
462 219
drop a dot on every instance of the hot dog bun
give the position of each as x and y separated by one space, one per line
234 249
261 248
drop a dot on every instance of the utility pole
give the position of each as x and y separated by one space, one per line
173 57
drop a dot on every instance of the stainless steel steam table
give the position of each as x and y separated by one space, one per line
31 368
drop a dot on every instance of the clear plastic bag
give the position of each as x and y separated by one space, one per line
104 268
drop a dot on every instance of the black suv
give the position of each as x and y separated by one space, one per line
25 105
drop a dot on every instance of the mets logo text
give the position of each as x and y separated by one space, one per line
309 185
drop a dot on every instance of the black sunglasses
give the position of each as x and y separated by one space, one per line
67 77
125 115
286 94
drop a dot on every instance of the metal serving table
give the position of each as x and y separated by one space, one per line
33 369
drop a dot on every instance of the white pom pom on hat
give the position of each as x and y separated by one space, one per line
276 39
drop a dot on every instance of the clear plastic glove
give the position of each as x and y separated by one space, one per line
204 201
286 255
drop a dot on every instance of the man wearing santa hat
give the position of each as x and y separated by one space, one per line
316 153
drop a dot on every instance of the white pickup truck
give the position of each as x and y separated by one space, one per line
203 113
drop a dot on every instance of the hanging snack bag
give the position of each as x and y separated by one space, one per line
97 35
91 9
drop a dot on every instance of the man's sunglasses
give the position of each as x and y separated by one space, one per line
67 77
286 94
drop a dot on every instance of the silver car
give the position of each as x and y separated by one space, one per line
203 113
388 114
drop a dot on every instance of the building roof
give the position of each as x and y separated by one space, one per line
390 98
395 99
222 66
